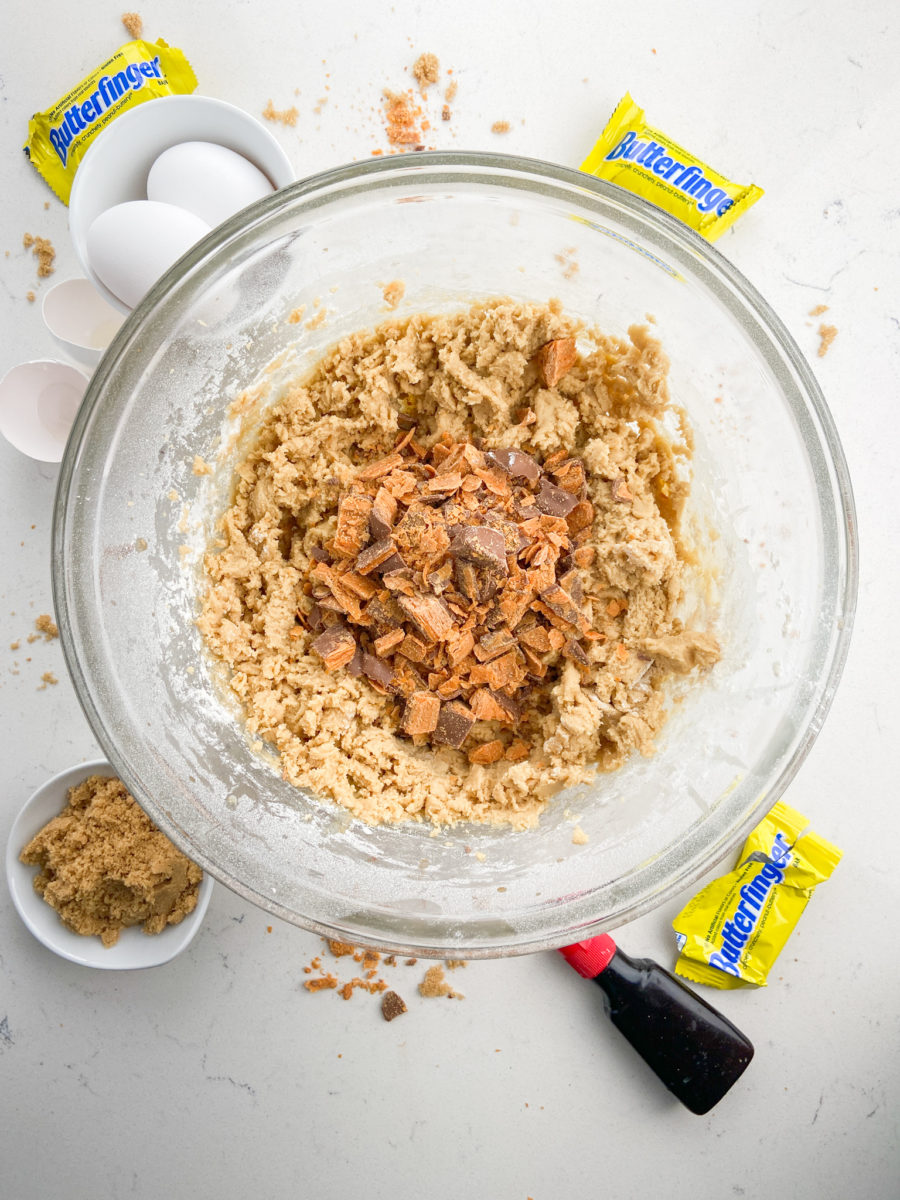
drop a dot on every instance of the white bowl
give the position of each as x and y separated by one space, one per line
134 949
116 166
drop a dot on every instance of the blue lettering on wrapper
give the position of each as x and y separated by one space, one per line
109 91
692 182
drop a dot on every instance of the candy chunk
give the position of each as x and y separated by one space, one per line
392 1006
383 514
621 491
353 524
481 545
486 707
374 556
382 467
554 501
516 463
429 615
421 713
377 671
570 475
454 724
388 641
488 752
555 359
580 517
336 647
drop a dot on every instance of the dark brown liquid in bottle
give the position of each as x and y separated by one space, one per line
696 1052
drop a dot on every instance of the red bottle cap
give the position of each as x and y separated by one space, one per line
590 958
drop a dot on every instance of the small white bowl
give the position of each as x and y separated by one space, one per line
38 404
80 321
134 949
116 166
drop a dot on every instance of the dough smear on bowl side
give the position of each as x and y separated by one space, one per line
449 581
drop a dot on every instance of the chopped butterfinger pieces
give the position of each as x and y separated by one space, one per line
555 359
453 725
487 752
353 524
392 1006
421 713
336 646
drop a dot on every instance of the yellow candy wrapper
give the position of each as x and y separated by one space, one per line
731 933
646 161
59 138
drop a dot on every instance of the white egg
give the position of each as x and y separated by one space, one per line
131 245
208 180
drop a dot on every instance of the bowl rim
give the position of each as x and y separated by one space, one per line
154 951
474 167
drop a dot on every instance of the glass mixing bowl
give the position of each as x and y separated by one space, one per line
772 508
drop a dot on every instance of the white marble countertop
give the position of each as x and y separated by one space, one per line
218 1075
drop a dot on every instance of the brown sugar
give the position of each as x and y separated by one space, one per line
105 866
47 626
500 127
286 116
393 292
426 70
47 679
133 24
827 334
403 119
451 90
434 985
43 251
818 310
29 296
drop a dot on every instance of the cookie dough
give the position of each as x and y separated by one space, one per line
484 375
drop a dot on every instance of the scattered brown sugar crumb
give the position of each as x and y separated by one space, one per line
426 70
133 24
321 983
403 119
500 127
47 626
579 837
287 116
43 251
434 984
390 960
317 319
393 292
47 678
818 310
392 1006
105 866
339 949
15 645
29 296
453 964
451 90
297 315
827 334
366 985
410 962
201 467
445 113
